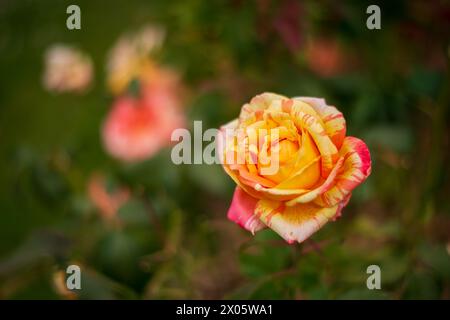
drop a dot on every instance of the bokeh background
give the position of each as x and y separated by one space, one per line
154 230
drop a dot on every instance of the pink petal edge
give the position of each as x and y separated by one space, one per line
242 210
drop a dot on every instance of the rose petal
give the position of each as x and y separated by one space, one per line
332 118
242 211
326 185
252 111
295 223
341 206
312 122
281 193
307 170
356 168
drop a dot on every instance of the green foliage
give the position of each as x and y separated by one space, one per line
171 238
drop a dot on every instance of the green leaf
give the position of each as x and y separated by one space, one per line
262 257
436 257
421 285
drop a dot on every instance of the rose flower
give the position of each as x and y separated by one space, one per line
293 164
136 128
67 69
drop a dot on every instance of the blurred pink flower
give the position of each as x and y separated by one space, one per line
107 203
67 69
138 127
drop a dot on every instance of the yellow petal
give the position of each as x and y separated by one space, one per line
323 187
307 167
253 111
332 118
305 117
295 223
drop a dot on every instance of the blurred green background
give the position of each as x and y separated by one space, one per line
175 241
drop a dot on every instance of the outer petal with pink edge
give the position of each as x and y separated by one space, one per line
295 223
356 168
242 211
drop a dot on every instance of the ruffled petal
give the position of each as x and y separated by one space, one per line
341 206
253 111
332 118
311 121
224 143
326 185
295 223
356 168
307 170
242 211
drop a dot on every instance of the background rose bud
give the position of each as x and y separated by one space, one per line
318 165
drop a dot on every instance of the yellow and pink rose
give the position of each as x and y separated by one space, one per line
317 165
